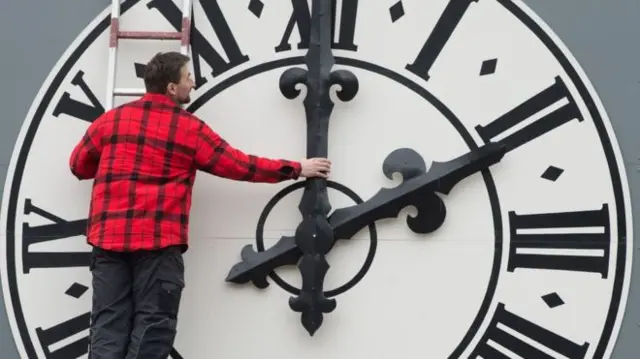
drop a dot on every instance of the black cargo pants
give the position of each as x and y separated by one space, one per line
136 296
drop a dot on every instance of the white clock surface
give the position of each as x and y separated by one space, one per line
532 261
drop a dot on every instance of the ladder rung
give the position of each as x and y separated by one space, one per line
128 91
150 35
115 34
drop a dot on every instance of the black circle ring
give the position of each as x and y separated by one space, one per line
353 281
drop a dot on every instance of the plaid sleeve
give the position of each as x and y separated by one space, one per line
85 157
214 155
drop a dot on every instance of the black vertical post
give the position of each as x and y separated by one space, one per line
314 236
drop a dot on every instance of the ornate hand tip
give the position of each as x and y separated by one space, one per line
240 273
289 79
431 214
312 313
235 274
406 161
349 83
260 282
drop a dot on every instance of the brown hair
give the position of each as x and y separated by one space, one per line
162 69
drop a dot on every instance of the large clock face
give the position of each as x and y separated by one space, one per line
532 261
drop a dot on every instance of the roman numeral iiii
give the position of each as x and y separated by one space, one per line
522 345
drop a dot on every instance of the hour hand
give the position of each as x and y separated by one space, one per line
418 188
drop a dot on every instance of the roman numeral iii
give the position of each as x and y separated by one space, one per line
583 237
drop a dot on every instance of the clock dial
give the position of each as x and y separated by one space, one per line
532 258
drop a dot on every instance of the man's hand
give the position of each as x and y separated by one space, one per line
315 167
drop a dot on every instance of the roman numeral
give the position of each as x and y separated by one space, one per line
441 33
81 110
301 18
523 349
63 331
200 47
59 229
573 231
533 106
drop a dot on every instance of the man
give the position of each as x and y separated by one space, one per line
143 157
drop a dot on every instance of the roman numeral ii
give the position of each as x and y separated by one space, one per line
556 92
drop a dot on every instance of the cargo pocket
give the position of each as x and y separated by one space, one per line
170 283
169 295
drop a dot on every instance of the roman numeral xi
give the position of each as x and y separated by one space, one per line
573 231
201 48
59 229
79 109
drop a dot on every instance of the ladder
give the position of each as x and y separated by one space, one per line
116 34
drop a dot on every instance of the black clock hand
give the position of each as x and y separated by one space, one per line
314 236
256 266
418 188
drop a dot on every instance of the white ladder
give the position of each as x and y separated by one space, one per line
116 35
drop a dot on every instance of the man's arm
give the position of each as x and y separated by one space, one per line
214 155
85 157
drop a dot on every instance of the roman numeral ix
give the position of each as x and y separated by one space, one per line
487 347
574 231
59 229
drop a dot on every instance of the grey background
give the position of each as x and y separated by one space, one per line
602 35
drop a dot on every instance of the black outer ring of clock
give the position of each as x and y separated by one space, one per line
101 27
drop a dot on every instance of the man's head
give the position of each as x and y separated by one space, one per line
167 73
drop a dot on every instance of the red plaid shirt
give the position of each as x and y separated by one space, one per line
143 157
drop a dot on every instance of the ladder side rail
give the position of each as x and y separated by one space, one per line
113 53
186 26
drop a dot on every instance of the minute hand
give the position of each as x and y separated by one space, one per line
418 188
